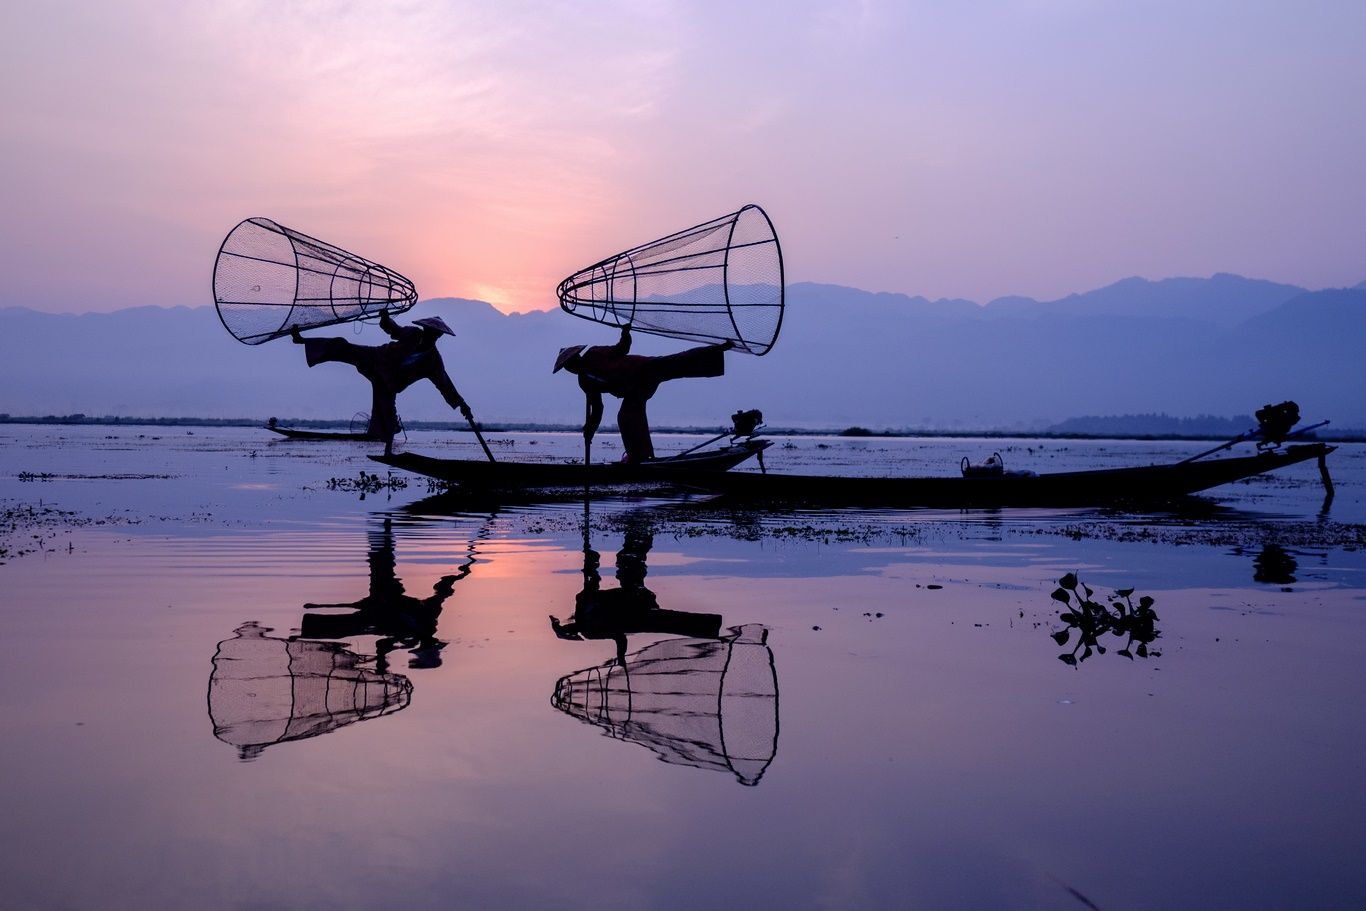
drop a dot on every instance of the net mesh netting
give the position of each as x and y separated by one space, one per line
721 280
265 690
268 277
707 703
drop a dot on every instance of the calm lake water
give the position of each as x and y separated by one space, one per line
227 685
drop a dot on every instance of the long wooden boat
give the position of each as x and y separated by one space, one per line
481 473
1147 484
291 433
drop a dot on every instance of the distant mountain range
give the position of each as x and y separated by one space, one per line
1223 345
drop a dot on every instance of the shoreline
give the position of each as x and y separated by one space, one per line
1350 435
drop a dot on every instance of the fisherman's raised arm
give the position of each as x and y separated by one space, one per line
391 328
442 381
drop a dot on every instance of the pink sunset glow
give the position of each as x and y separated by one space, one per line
486 150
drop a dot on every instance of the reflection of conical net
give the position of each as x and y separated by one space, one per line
718 281
268 277
708 703
265 690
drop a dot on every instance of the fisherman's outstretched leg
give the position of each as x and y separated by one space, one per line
702 361
635 430
322 350
383 418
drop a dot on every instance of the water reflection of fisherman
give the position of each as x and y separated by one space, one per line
633 378
613 613
391 368
388 611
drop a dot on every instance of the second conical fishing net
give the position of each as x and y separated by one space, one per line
268 278
718 281
707 703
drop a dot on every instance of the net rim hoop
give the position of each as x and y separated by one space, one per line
735 633
782 275
218 259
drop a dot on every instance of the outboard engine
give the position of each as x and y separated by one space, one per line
746 423
1274 423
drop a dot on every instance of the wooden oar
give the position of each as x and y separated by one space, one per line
469 416
587 449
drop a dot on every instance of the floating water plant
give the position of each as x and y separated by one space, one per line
1091 619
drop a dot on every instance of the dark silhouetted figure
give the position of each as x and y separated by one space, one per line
633 378
391 368
612 613
388 611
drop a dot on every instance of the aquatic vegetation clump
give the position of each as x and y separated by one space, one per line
1092 619
367 483
27 528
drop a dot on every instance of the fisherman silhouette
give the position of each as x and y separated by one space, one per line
612 613
391 368
633 378
399 619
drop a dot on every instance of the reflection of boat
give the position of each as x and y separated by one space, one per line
707 703
266 690
488 474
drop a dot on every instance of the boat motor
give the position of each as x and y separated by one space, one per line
1274 423
746 423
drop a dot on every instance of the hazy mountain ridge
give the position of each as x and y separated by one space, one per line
1223 298
845 357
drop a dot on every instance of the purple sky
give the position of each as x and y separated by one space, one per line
488 149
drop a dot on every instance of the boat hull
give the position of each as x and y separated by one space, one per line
1147 484
290 433
483 474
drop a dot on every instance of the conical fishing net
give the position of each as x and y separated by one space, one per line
719 281
265 690
268 277
707 703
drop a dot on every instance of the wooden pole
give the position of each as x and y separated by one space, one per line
587 447
469 416
1327 479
